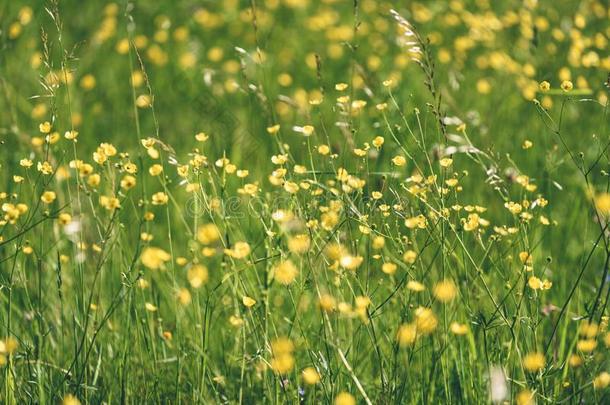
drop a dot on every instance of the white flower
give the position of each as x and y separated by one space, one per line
497 385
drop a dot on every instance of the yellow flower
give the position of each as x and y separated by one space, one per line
64 218
146 237
208 234
329 220
70 400
236 321
586 345
409 256
514 208
588 329
15 30
8 346
344 398
452 182
285 272
350 262
533 362
201 137
299 244
108 149
525 258
291 187
27 163
544 86
445 291
425 321
399 160
575 361
343 99
48 197
182 170
71 135
52 138
378 242
282 361
109 203
272 130
155 169
154 258
458 328
327 302
88 82
416 222
407 334
282 345
197 275
45 167
536 284
144 101
358 105
378 142
472 222
94 180
184 296
128 182
602 203
279 159
415 286
99 156
525 397
239 251
307 130
567 85
45 127
446 162
310 376
602 380
160 198
148 142
192 187
248 301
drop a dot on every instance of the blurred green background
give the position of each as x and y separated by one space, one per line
233 68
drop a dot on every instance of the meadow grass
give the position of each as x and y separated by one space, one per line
299 201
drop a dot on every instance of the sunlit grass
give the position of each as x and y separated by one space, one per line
304 202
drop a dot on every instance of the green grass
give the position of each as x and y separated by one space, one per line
176 282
